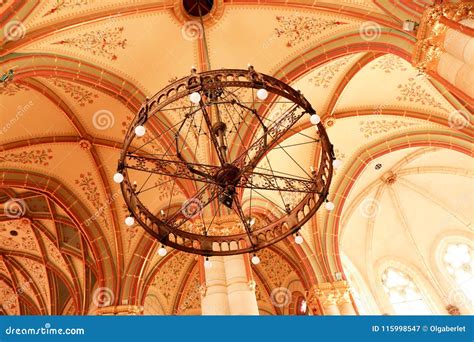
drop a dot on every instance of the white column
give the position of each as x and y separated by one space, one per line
241 296
345 303
214 301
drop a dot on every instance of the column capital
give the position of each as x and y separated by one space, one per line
330 293
432 29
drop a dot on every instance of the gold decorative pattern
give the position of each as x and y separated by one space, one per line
167 279
274 267
192 296
61 5
431 31
292 198
297 29
90 189
101 43
130 232
388 63
414 92
37 272
11 88
81 95
374 127
40 157
9 299
23 240
54 254
3 268
326 73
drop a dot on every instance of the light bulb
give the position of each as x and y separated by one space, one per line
262 94
252 222
118 177
255 260
329 206
140 131
298 239
315 119
195 97
207 263
162 251
336 163
129 221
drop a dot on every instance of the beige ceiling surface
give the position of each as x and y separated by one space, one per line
65 113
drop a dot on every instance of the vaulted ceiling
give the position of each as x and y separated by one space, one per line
81 69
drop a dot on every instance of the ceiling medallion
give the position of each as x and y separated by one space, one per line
186 11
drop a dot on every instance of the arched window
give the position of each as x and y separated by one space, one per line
459 262
301 307
404 295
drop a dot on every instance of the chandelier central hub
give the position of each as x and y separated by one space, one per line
228 175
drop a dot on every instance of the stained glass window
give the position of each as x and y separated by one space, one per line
459 262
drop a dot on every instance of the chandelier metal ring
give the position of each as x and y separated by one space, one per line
217 188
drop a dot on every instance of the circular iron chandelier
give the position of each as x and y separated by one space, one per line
217 163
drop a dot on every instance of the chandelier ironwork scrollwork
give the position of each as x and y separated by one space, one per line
225 162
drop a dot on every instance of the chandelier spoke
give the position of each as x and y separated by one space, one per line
256 180
173 168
